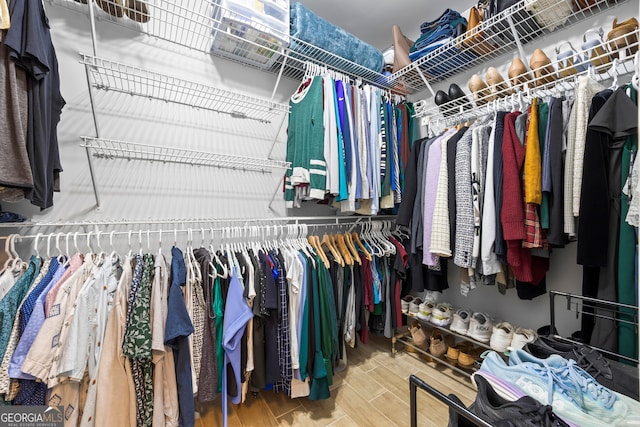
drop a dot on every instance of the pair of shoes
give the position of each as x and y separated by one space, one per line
623 35
613 375
404 303
414 307
501 337
441 314
595 50
135 9
543 71
450 103
468 357
425 309
573 393
480 327
460 322
439 343
500 412
518 73
454 350
522 337
417 335
569 62
494 87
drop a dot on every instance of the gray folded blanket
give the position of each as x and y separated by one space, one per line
309 27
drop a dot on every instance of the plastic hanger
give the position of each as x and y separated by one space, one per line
635 80
614 71
7 249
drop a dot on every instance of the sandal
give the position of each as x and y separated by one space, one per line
623 36
569 62
595 50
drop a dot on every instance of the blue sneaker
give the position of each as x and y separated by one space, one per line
593 398
553 384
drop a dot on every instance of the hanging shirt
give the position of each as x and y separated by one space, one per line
237 314
178 329
115 389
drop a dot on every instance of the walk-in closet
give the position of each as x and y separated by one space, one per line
296 213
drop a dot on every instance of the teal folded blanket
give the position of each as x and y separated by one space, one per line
310 28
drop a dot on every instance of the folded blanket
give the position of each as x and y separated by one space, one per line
310 28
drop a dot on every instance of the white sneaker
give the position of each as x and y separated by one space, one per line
501 337
425 309
480 327
441 314
523 336
404 303
414 307
460 322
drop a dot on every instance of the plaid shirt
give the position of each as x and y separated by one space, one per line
283 337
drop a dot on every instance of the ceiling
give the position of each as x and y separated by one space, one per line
371 20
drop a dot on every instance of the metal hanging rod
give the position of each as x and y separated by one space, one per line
496 37
111 75
316 220
192 24
112 149
507 98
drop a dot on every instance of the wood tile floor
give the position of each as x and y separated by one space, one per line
372 391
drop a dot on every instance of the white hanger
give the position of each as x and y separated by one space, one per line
49 245
130 254
35 244
636 74
614 71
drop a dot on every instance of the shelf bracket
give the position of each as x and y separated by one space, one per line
275 139
96 192
424 79
515 35
275 193
275 88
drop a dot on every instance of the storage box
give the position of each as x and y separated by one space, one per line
251 31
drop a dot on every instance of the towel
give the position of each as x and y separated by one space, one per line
312 29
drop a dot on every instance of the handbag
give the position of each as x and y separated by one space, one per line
502 5
475 39
549 13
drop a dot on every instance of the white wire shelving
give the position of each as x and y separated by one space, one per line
522 23
191 23
114 149
507 98
115 76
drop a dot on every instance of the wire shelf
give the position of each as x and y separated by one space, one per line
495 37
111 75
112 149
191 23
508 98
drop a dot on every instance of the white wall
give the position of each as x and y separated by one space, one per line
142 190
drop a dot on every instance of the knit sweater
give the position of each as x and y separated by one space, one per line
513 153
532 162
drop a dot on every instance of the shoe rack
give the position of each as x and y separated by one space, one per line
502 34
404 340
603 65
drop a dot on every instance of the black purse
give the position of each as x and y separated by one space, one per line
502 5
